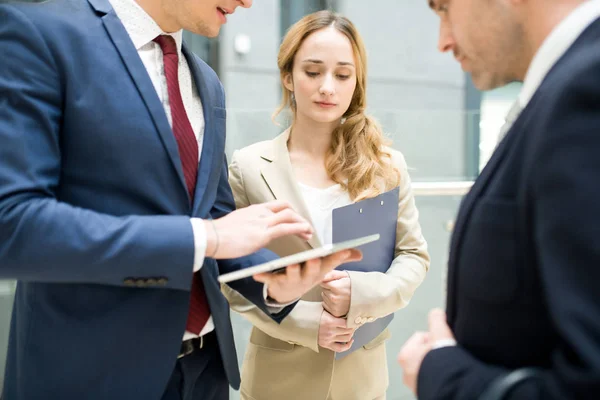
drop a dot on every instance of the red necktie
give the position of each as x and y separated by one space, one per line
188 152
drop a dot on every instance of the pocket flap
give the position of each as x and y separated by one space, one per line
261 339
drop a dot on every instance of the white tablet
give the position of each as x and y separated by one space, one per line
281 263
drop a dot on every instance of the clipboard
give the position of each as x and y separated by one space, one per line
377 215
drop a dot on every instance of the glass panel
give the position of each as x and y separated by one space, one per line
434 142
7 293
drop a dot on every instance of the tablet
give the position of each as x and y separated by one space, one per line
281 263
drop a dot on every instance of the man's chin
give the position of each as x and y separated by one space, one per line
213 33
486 81
207 31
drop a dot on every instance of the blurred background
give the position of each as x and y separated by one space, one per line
426 104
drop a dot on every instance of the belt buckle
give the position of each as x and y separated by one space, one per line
189 346
188 349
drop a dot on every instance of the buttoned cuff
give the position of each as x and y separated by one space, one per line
199 231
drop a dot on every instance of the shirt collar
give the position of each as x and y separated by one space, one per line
140 26
556 45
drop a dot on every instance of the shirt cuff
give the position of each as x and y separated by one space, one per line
438 344
272 306
199 231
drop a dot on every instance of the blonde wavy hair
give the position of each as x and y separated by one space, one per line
358 148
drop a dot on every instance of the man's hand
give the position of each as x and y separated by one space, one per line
419 344
249 229
411 356
336 293
290 285
333 333
439 329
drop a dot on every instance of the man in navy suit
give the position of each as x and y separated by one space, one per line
524 260
115 212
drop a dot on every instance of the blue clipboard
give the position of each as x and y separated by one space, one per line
370 216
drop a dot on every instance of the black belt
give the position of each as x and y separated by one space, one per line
197 343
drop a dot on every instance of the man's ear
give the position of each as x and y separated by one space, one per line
288 82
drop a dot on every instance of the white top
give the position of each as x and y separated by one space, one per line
320 204
555 46
142 30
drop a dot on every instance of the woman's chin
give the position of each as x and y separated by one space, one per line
325 118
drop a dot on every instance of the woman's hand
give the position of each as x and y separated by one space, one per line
336 293
333 333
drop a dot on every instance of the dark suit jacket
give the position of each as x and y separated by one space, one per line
524 261
94 211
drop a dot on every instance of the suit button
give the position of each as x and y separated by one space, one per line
152 282
129 282
162 281
363 321
140 282
358 321
370 319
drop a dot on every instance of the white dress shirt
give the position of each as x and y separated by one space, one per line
556 45
320 204
552 49
142 30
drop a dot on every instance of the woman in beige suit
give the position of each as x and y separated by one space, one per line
332 155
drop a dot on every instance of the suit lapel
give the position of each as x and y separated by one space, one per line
279 177
139 75
467 206
210 164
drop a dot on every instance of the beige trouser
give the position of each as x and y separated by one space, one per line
364 367
244 397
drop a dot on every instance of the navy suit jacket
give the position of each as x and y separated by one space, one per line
94 211
524 262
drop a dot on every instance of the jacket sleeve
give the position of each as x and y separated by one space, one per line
376 294
41 238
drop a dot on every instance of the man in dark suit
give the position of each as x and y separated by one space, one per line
525 253
115 212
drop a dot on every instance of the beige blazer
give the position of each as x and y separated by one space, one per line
284 361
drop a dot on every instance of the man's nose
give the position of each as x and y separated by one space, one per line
446 40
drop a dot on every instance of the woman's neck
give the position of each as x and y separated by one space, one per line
308 145
311 138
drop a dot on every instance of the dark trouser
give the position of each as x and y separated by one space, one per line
199 375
